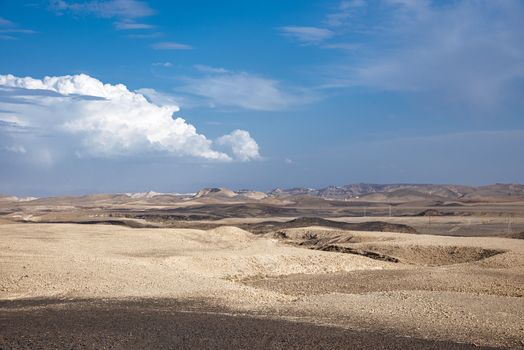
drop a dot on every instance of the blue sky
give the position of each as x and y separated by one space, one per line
258 94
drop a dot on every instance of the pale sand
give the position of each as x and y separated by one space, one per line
100 261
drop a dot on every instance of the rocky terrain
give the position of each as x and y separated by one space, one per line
411 192
246 269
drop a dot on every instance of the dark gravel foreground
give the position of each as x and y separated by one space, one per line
168 324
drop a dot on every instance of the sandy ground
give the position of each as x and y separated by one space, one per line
443 288
455 225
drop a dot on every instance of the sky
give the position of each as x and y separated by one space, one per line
172 96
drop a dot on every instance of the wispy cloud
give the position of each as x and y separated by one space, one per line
162 64
170 45
153 35
158 98
466 51
16 149
131 25
225 88
307 35
341 46
9 29
209 69
105 9
125 11
345 10
17 31
5 22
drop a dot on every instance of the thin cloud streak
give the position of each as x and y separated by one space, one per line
18 30
126 25
146 35
219 87
105 9
5 22
8 29
171 45
307 35
467 52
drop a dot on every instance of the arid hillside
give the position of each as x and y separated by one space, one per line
276 270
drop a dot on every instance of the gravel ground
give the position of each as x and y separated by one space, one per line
443 293
143 324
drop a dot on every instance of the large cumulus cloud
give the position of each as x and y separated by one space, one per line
241 144
108 120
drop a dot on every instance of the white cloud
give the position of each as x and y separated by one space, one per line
146 35
307 35
170 45
344 12
108 120
243 146
220 87
161 98
157 97
163 64
466 51
16 149
131 25
126 11
208 69
106 9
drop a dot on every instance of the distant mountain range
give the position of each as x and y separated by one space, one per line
354 192
379 193
408 192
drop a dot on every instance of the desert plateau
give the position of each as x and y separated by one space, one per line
405 267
